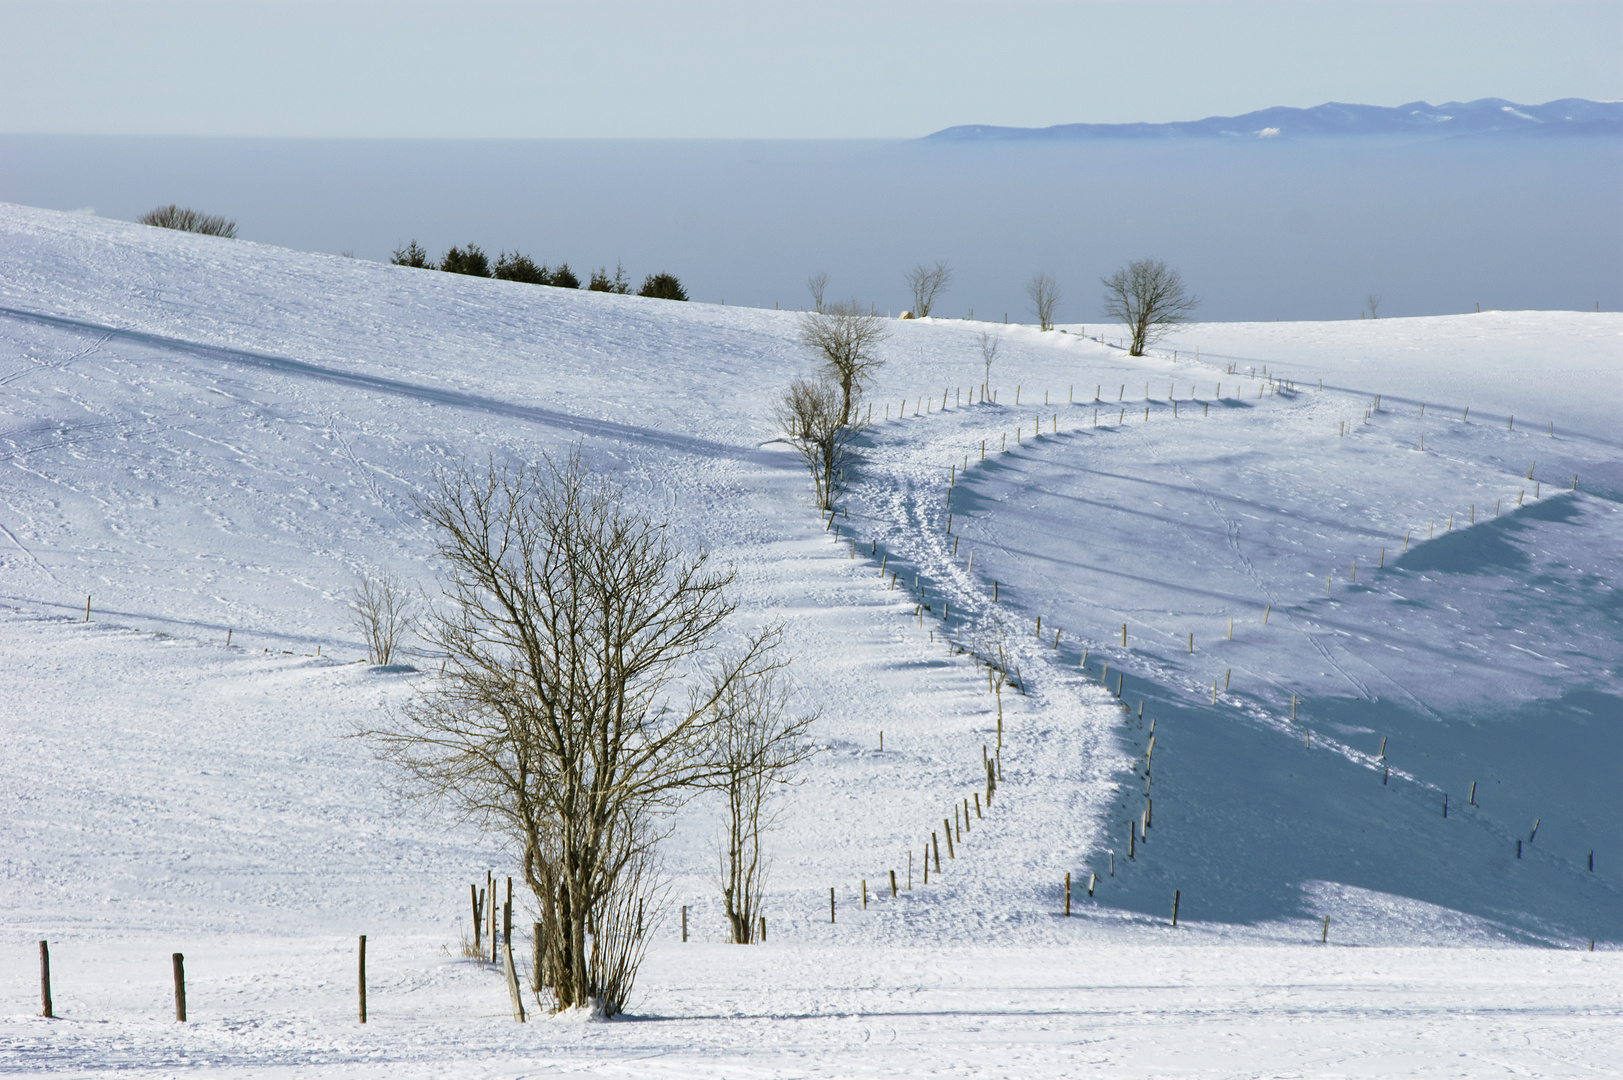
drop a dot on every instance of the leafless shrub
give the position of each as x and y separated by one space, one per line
844 336
1148 297
177 217
761 743
382 613
989 346
618 926
567 622
817 284
1373 302
809 414
924 282
1044 293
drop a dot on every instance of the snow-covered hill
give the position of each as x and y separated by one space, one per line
209 437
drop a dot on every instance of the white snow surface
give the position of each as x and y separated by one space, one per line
208 436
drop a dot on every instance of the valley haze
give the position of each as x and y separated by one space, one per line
1522 215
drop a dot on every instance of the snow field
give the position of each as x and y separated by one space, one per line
1109 1008
1391 674
209 437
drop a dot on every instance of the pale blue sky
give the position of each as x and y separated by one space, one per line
637 69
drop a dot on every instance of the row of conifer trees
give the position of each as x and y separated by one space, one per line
517 266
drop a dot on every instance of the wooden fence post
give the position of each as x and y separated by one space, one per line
360 976
831 903
179 963
490 914
1067 893
1174 907
514 994
684 922
45 1009
893 884
536 953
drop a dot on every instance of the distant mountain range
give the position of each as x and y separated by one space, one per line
1485 117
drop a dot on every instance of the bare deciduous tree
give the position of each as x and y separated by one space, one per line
924 282
1044 293
382 613
1148 297
810 416
816 284
989 346
567 622
761 743
845 336
1372 302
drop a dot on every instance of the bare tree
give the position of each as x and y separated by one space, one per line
989 346
845 336
617 926
187 220
760 745
382 613
809 415
924 282
1372 302
817 283
1044 293
567 623
1148 297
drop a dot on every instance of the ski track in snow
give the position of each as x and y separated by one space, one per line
208 436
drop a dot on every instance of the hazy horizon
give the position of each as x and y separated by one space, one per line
1259 231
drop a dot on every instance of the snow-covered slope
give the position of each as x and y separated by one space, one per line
211 437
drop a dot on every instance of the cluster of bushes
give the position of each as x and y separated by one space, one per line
187 220
471 260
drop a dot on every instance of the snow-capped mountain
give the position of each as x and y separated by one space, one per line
1416 120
